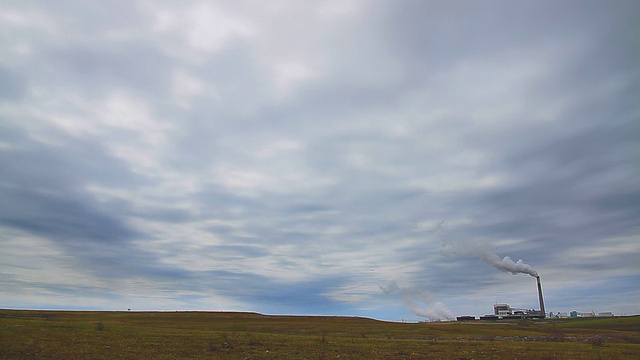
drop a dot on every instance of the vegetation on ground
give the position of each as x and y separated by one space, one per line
26 334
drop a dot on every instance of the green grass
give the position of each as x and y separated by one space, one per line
215 335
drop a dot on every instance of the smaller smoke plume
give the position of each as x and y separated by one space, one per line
484 252
420 302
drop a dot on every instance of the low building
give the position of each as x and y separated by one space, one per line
466 318
502 310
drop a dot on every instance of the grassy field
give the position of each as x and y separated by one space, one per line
218 335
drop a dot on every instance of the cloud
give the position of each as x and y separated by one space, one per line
12 87
295 157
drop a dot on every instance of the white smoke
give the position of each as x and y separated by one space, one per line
507 265
484 252
420 302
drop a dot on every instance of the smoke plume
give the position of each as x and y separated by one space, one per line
420 302
507 265
484 252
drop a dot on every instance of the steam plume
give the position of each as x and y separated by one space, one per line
420 302
484 252
507 265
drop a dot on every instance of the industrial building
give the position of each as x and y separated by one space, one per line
504 311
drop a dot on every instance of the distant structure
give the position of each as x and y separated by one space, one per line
575 314
540 296
504 311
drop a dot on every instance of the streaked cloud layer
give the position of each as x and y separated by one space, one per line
299 157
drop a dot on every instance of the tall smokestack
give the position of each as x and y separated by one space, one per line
544 314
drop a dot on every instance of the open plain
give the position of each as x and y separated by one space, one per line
27 334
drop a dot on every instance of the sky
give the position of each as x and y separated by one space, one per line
340 157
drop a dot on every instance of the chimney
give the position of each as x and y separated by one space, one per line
544 314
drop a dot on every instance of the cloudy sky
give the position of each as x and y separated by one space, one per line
342 157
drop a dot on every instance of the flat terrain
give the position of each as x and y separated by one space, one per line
26 334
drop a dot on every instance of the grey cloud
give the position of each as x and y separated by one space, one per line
389 134
238 251
61 218
575 167
98 241
308 208
43 187
459 29
168 214
68 167
558 201
102 67
93 17
12 85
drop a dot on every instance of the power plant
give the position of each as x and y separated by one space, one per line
504 311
